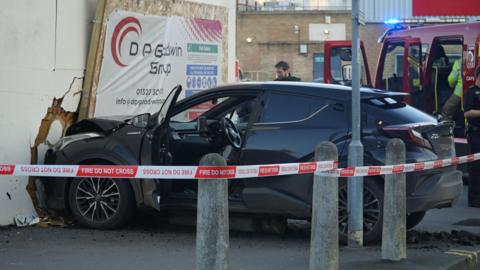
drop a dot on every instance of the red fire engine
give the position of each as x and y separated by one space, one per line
415 60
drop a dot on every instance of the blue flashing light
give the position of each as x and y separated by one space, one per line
392 21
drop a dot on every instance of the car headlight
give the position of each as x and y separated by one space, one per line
63 142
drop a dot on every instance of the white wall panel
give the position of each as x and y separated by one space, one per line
74 26
28 80
382 10
27 31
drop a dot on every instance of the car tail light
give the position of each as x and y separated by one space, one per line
408 134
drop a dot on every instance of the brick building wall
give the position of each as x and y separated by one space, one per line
273 39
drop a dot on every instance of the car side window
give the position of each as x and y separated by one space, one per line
242 113
288 108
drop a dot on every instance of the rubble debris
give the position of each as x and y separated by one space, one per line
26 220
54 220
462 238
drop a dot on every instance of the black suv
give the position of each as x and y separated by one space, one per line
252 123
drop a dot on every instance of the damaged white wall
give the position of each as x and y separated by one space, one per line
43 47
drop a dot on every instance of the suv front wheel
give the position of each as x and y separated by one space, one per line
101 203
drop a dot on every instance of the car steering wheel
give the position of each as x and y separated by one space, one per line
232 133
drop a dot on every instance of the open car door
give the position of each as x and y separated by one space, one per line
338 63
155 150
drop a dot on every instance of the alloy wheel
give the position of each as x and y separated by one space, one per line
371 210
98 199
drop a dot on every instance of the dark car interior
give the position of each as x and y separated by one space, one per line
215 124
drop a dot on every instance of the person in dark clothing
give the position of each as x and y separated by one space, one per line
283 72
472 113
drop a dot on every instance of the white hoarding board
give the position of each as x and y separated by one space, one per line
145 56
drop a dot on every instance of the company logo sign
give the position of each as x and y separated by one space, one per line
124 27
131 39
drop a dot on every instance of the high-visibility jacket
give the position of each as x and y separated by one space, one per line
455 79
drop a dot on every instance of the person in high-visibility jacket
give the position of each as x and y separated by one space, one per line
455 100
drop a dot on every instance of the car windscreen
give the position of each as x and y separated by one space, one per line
391 111
192 113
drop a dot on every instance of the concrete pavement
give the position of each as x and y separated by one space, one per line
460 217
417 259
436 247
151 243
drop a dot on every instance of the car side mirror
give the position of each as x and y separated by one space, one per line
141 120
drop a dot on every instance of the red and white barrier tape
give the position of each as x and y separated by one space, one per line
167 172
401 168
329 168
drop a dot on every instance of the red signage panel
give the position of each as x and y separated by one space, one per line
446 8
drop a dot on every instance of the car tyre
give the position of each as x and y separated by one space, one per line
101 203
372 212
413 219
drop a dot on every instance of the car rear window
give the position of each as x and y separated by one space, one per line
393 112
385 102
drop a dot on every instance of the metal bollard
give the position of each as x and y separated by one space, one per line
324 236
394 235
212 241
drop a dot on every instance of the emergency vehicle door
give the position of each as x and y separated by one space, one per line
338 63
413 65
390 65
400 68
477 52
444 52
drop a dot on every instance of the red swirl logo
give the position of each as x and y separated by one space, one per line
125 26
